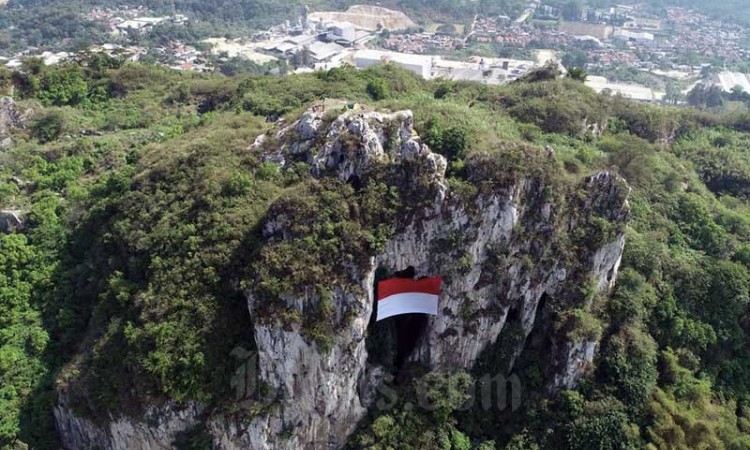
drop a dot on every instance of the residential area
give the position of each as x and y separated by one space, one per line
626 49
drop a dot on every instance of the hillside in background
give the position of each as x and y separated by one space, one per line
137 215
33 26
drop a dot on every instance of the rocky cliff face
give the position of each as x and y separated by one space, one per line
156 429
517 250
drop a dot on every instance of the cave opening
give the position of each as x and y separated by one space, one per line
355 181
513 315
391 341
539 338
538 344
527 371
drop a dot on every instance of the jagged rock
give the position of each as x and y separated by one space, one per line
12 220
6 143
11 118
307 126
352 142
505 257
356 139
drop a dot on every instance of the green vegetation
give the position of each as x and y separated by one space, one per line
59 24
438 396
144 228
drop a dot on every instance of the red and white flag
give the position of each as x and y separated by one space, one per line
405 295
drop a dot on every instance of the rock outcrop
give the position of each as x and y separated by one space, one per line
519 245
12 220
11 118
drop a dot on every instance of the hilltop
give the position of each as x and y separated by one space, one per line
594 249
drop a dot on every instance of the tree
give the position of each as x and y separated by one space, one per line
237 65
702 96
447 28
63 86
22 338
100 63
672 95
549 71
578 74
48 127
572 11
575 58
378 89
442 90
32 66
452 142
738 94
707 71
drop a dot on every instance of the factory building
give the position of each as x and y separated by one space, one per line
418 64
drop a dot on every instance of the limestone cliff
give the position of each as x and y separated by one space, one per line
518 246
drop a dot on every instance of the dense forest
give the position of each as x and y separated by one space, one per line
141 206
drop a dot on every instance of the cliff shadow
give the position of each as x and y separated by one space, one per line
513 356
391 341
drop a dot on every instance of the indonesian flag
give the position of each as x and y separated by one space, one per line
405 295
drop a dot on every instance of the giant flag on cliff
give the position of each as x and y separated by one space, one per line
405 295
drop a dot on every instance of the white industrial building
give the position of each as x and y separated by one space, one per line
728 80
483 70
342 31
322 51
627 90
418 64
643 37
140 23
302 39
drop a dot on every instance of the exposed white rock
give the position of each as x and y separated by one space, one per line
307 126
476 300
606 263
351 143
317 391
356 139
578 360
